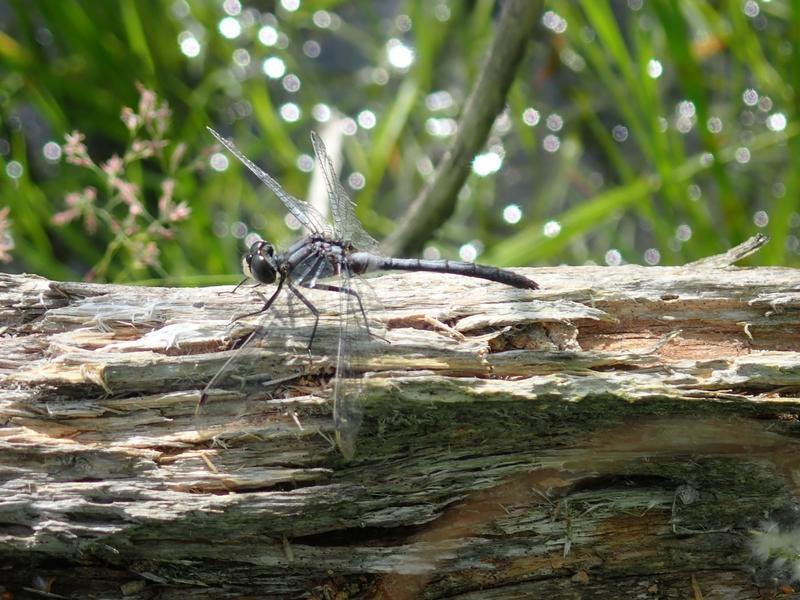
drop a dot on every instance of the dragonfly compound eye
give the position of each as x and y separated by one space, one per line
261 264
260 246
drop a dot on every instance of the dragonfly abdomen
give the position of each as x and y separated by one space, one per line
364 261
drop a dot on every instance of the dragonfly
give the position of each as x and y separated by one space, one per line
332 256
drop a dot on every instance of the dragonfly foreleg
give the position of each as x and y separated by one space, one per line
267 304
238 285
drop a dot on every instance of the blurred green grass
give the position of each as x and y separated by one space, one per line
646 138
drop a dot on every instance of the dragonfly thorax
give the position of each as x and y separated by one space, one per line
259 262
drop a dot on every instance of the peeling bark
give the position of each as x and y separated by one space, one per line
621 432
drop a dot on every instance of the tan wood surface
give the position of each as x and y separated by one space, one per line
622 432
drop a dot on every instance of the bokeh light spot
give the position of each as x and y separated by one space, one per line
290 112
551 229
230 28
356 180
290 5
531 117
51 151
321 113
654 68
268 35
652 256
750 97
551 143
613 258
486 164
273 67
512 214
366 119
776 122
189 45
14 169
218 161
399 55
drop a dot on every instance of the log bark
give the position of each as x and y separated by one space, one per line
624 431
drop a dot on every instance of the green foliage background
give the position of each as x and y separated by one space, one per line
638 164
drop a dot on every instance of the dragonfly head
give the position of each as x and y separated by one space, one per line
259 262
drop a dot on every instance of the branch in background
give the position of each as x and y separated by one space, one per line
437 200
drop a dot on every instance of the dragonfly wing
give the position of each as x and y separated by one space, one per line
346 225
347 414
306 214
245 347
357 337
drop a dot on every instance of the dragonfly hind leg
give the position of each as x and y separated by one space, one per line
310 307
357 296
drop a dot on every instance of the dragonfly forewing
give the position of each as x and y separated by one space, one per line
346 225
306 214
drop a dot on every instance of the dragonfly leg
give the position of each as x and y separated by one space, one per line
238 285
335 288
267 304
310 307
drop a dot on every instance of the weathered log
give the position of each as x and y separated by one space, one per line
622 432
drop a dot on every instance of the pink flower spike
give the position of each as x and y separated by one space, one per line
180 212
90 222
177 156
75 150
147 102
74 138
113 166
165 201
150 255
72 199
130 119
128 191
65 216
135 209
